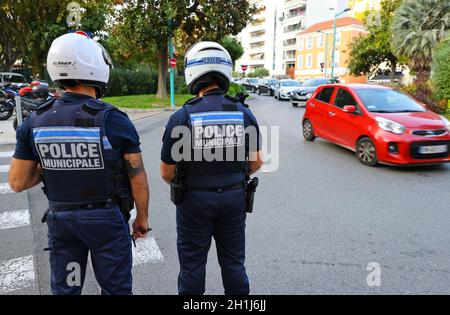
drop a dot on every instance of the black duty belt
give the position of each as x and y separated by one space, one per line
216 189
55 206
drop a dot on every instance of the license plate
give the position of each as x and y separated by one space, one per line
435 149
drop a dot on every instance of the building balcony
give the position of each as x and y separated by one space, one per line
257 39
256 50
292 4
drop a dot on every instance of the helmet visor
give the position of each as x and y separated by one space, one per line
106 57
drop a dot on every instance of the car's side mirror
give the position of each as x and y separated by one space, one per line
351 109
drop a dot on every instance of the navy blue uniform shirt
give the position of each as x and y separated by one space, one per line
179 118
120 131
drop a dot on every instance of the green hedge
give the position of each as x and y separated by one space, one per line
441 71
144 80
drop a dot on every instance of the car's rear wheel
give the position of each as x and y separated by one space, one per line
366 152
308 130
294 104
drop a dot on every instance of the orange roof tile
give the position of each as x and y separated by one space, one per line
345 21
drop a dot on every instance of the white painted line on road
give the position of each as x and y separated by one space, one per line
14 219
4 168
16 274
5 189
146 251
6 154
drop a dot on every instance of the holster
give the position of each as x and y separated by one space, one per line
176 192
250 189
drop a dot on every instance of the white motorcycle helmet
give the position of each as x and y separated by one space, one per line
205 63
75 58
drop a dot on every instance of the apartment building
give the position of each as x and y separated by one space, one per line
270 40
315 45
259 38
293 20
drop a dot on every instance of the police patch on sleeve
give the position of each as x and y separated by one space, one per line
69 148
217 129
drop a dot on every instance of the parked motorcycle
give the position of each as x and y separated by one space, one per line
7 102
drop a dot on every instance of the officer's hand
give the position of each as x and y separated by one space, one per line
140 227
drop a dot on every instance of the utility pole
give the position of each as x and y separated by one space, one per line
172 67
336 15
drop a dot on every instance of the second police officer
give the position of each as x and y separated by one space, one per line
88 156
213 198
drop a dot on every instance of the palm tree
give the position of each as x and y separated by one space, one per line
418 26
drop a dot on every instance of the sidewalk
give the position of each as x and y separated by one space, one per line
8 135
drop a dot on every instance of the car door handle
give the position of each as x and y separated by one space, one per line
332 114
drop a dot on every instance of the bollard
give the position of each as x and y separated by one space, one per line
18 100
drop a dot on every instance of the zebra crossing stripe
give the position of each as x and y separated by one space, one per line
14 219
6 154
4 168
16 274
5 189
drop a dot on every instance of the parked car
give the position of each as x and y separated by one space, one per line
303 94
250 84
285 87
17 80
268 87
380 124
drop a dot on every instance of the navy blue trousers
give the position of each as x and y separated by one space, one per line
101 232
203 216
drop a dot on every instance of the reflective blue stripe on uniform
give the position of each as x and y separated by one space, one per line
59 132
106 144
217 118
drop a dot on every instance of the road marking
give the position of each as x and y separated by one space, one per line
14 219
4 168
5 189
16 274
6 154
146 251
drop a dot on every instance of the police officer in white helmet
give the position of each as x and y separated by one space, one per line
87 154
212 204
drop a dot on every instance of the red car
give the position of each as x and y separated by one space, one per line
380 124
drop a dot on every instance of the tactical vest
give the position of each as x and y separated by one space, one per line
79 164
218 142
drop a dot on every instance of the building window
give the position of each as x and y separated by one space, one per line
300 62
320 40
337 57
301 43
320 59
309 61
309 42
338 38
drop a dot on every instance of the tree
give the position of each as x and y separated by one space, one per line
48 19
13 31
441 71
369 51
148 24
418 26
234 48
259 73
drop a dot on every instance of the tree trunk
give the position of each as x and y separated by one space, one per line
162 71
393 71
36 68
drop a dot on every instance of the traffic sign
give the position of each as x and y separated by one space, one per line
173 62
244 67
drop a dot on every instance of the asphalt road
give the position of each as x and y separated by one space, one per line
320 219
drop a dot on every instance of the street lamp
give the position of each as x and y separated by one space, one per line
326 53
336 15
